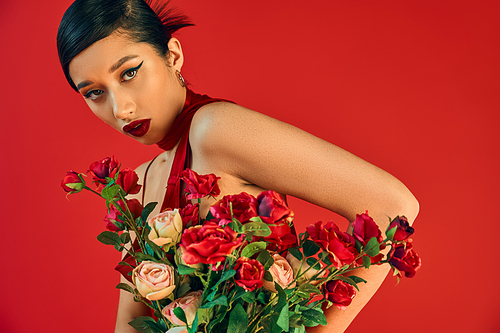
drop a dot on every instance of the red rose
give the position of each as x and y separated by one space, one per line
339 293
282 236
249 273
111 218
128 179
189 215
73 182
244 208
338 244
405 259
208 243
199 186
273 208
101 169
364 228
403 230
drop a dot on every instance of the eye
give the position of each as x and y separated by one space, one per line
93 94
130 73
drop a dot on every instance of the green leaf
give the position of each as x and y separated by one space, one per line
126 287
372 248
310 248
347 280
222 300
314 263
109 192
315 315
183 289
390 233
261 297
143 324
265 259
185 270
139 256
226 276
238 320
248 297
367 262
109 238
282 298
179 313
283 320
308 289
194 325
358 246
125 237
259 229
357 279
147 210
123 263
296 253
268 276
253 248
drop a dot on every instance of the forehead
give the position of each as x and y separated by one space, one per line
99 57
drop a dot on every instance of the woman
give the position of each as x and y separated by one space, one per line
121 56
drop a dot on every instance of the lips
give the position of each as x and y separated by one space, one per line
137 128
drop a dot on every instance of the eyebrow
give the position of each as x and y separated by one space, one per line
113 68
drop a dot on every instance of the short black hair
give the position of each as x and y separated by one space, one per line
88 21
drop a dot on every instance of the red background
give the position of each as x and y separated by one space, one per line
409 86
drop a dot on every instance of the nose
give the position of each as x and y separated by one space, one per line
123 106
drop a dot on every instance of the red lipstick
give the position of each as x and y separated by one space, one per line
137 128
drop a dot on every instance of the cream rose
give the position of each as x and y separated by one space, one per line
179 329
189 303
154 281
166 228
282 274
295 263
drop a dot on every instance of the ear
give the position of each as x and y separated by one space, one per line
176 57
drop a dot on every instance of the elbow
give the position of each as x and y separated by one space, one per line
409 206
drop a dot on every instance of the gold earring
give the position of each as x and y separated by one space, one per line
181 79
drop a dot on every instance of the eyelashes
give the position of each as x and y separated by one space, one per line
127 75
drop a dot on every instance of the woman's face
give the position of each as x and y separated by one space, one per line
130 87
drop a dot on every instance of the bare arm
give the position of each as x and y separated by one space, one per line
259 150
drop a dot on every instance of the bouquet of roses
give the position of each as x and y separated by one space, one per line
241 268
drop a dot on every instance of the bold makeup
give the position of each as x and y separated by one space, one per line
137 128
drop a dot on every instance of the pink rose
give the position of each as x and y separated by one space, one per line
339 293
403 231
128 179
189 303
208 243
282 274
199 186
249 273
308 275
244 208
273 208
338 244
190 215
405 259
101 169
154 281
73 182
166 228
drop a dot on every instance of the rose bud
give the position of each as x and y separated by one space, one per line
113 223
339 293
189 303
403 231
338 244
282 274
364 228
73 182
405 259
199 186
127 179
154 281
101 169
166 228
249 273
307 276
190 215
208 243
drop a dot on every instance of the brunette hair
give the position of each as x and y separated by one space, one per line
88 21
